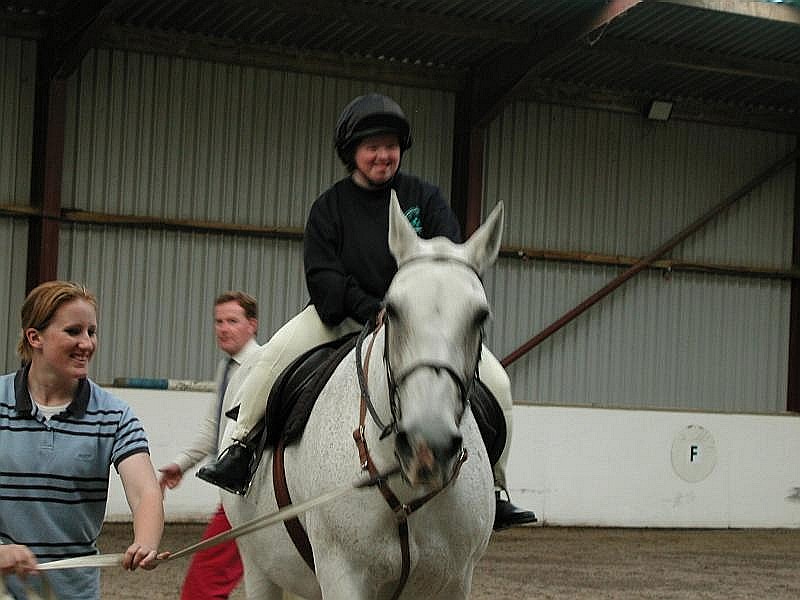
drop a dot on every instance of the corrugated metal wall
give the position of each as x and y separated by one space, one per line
13 260
17 82
168 137
163 136
17 86
581 180
157 289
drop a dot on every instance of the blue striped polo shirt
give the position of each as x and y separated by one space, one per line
54 474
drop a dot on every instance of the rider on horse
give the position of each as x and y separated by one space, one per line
348 269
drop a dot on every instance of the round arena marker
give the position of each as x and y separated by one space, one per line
694 453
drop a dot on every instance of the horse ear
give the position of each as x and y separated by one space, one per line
402 237
484 245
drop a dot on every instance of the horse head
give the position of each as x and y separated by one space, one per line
436 308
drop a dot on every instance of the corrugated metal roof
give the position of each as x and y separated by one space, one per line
709 52
661 29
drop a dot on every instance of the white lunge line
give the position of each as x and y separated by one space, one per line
288 512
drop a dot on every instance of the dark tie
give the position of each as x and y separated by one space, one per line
223 386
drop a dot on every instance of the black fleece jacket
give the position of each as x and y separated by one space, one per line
346 248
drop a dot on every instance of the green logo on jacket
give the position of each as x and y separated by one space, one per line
413 216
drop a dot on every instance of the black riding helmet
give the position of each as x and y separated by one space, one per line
371 114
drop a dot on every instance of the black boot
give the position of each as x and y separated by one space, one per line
507 515
231 471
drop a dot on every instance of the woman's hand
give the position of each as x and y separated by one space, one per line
145 499
141 555
17 559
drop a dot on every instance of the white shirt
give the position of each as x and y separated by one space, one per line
211 432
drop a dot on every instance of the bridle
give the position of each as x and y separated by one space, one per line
402 510
395 380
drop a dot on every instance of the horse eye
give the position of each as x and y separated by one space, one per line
391 311
481 317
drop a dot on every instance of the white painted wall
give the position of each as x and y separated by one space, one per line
171 420
577 466
603 467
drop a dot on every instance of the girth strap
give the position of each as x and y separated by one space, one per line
293 526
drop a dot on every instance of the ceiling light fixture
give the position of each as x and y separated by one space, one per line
659 110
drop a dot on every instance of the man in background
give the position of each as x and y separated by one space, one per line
216 571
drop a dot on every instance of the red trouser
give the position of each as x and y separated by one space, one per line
215 571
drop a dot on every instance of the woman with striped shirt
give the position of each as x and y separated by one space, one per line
60 433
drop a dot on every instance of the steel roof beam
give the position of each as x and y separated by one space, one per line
74 37
699 60
686 109
496 81
747 8
386 16
59 52
202 47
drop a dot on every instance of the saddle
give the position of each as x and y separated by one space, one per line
293 396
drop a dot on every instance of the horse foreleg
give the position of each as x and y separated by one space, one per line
263 589
456 589
344 583
256 584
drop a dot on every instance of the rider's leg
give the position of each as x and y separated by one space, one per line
300 334
495 378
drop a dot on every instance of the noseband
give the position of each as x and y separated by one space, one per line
396 380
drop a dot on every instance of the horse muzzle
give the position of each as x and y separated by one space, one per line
425 463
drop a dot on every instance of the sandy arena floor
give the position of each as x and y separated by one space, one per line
562 563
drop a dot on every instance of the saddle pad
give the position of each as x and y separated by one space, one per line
295 392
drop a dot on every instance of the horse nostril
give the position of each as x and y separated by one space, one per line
402 446
456 442
447 450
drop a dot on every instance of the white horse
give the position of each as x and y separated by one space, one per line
427 354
